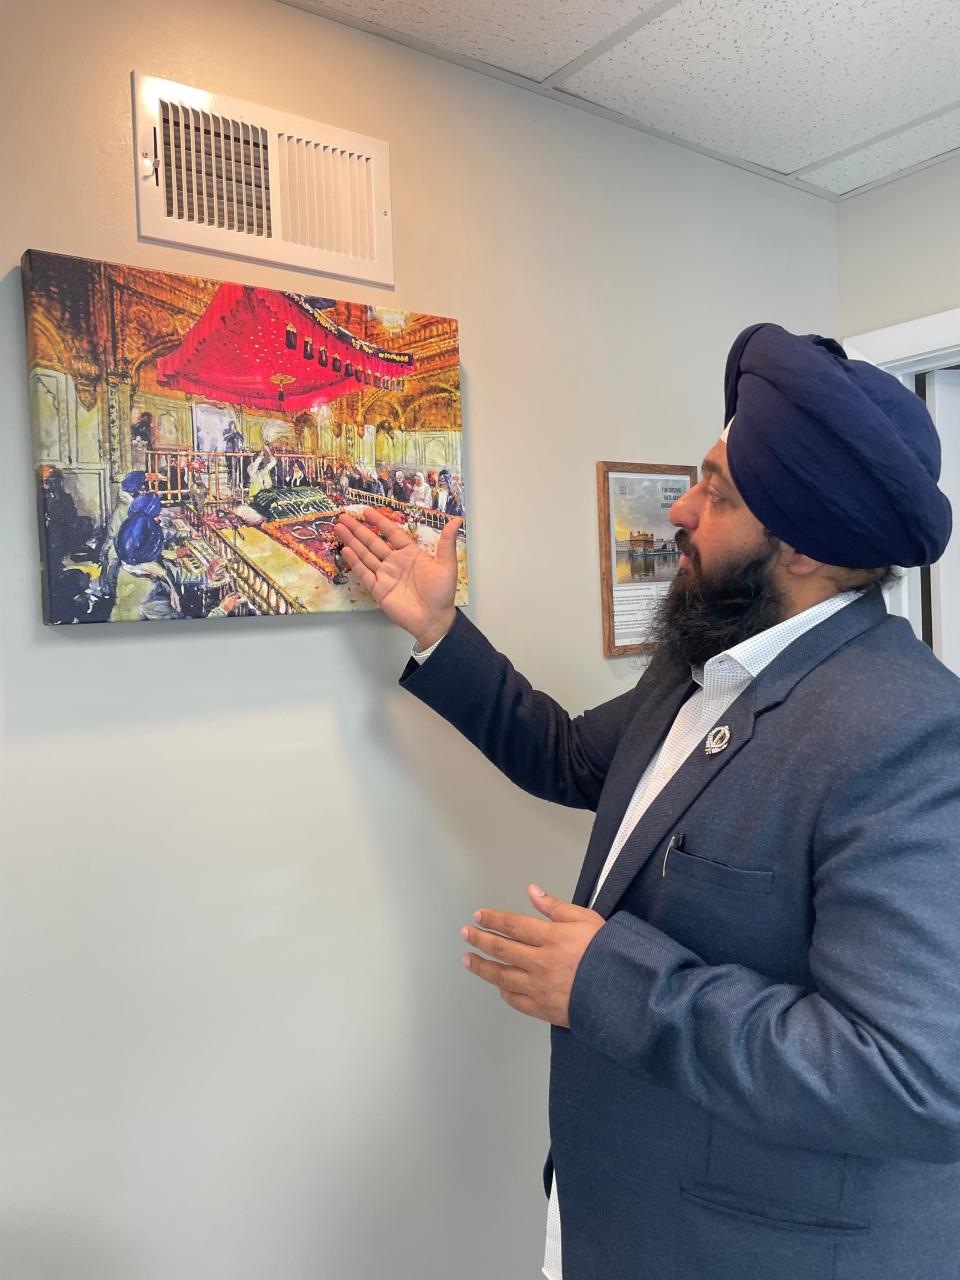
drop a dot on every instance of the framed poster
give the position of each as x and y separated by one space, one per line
638 554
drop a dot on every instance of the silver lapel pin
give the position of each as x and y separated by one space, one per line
718 739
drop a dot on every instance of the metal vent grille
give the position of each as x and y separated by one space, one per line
215 170
228 176
328 197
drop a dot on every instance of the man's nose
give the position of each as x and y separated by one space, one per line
682 513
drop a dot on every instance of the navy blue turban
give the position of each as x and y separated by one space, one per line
133 482
148 504
832 455
139 540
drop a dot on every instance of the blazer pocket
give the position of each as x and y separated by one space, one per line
691 867
767 1213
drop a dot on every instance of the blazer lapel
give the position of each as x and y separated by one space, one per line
663 815
770 688
643 737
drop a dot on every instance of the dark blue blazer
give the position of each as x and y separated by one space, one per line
761 1078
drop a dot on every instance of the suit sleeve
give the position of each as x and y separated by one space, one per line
868 1062
524 732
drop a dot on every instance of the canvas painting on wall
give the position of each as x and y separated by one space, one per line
194 440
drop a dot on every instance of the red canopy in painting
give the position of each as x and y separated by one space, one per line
271 350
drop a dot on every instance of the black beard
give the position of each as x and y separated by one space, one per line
703 615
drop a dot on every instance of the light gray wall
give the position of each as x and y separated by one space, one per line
238 1041
898 250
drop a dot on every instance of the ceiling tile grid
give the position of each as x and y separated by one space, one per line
533 39
889 156
832 95
781 84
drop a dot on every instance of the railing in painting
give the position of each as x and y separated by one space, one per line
249 580
422 515
170 472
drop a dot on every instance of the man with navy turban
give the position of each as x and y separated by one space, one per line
835 456
836 461
146 588
754 989
149 585
105 585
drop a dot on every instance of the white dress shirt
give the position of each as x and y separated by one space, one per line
722 679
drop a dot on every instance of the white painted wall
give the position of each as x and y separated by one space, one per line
898 255
236 1048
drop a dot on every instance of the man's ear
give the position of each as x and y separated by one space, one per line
796 563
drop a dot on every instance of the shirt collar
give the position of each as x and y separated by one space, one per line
752 655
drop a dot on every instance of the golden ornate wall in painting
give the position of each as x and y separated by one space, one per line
195 440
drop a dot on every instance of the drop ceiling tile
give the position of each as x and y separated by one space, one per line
890 156
533 39
781 83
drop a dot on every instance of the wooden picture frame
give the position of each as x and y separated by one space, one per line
638 565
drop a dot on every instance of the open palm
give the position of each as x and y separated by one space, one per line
414 589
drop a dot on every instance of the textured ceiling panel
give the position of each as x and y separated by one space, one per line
890 156
781 83
531 39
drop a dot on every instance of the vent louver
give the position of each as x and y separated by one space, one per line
235 178
215 171
329 197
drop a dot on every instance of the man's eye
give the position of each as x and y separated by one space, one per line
714 496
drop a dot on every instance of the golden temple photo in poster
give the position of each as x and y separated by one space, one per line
195 441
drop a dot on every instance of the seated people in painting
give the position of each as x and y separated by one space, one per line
447 498
420 494
372 482
401 489
150 585
105 585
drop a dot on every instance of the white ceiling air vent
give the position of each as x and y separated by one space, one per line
230 177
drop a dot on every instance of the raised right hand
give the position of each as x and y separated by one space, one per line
414 589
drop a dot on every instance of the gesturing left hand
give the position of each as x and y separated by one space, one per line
534 960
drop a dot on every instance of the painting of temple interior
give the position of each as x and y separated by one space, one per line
195 441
